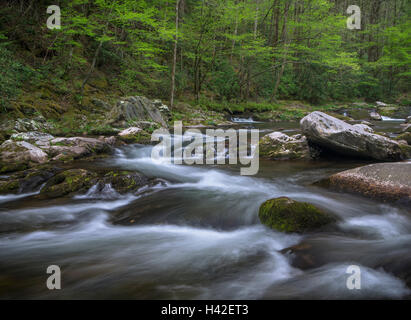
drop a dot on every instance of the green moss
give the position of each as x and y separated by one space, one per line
142 138
11 167
286 215
68 182
9 186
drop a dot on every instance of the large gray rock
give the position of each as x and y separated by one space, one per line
364 127
338 136
21 152
384 181
375 116
279 146
38 139
77 147
134 109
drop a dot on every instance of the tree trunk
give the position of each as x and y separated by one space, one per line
286 44
173 72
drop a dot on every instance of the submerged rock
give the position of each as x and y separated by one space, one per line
384 181
287 215
279 146
340 137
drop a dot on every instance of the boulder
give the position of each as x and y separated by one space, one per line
78 147
134 109
408 119
340 137
130 131
381 104
76 181
123 181
21 152
27 180
364 127
36 138
67 182
279 146
383 181
135 135
286 215
375 116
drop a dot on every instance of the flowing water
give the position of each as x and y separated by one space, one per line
196 235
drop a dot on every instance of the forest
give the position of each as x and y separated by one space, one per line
205 51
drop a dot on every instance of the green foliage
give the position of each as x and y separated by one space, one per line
12 76
229 51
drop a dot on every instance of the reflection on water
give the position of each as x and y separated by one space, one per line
197 236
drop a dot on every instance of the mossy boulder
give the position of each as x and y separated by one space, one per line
124 181
135 135
286 215
67 182
9 186
6 167
27 180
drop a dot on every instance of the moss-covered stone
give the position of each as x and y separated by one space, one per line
9 186
6 167
67 182
125 181
142 138
28 180
286 215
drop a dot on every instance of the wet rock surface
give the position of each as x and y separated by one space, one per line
340 137
383 181
287 215
279 146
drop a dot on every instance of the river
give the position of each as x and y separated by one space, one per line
195 234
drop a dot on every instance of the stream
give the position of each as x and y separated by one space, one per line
196 235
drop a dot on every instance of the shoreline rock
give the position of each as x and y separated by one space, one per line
332 134
384 181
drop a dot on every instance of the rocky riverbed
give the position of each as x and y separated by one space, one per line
329 193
